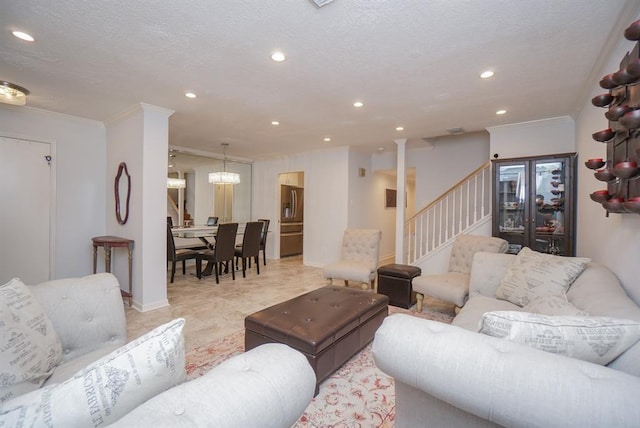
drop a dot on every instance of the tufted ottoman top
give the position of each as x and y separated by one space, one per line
315 320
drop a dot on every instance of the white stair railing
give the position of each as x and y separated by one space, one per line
454 212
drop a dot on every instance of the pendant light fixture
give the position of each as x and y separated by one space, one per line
224 177
176 183
11 93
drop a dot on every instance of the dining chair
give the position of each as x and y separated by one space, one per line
250 247
223 251
263 238
174 256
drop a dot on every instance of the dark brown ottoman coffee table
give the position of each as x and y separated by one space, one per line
328 325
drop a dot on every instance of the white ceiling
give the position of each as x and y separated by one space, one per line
413 63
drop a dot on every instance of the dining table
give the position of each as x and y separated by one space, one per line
206 235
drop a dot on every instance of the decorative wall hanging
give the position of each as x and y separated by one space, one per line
620 169
122 183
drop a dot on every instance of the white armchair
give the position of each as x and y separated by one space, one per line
359 258
453 286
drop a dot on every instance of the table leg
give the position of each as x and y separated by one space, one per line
130 272
95 258
107 258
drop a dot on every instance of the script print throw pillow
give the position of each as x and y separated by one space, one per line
29 346
599 340
107 389
536 274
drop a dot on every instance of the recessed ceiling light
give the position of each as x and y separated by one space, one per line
501 112
190 95
275 123
358 104
327 139
399 128
22 35
278 56
486 74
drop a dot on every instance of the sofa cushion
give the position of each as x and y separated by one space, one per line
553 305
471 313
595 339
536 274
451 287
30 346
107 389
487 271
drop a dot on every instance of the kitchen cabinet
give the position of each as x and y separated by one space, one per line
292 179
534 203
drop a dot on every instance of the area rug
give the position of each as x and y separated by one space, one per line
356 395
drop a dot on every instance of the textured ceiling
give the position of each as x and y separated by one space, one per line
413 63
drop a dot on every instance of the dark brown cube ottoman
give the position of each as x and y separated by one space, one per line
394 280
328 325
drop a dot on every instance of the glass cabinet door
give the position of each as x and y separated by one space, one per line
511 196
548 211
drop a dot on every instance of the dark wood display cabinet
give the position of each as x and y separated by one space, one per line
534 203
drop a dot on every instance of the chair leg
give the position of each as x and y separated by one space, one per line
264 257
257 260
419 301
346 283
184 267
217 267
244 267
173 270
199 267
233 271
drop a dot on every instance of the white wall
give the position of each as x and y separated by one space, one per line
385 218
80 182
535 138
448 161
325 201
613 241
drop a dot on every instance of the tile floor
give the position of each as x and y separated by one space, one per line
214 310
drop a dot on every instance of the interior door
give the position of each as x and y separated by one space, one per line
26 210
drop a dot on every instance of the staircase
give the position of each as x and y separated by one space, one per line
464 208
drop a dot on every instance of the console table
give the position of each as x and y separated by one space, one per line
109 242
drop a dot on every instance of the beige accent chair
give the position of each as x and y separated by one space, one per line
359 258
453 286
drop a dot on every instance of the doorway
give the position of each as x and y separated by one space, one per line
291 213
26 214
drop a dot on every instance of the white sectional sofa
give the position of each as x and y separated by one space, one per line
68 363
453 376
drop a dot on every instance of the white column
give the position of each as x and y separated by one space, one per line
401 185
139 137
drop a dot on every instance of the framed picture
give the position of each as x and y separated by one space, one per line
390 198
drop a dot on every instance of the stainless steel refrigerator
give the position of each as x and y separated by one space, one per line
291 220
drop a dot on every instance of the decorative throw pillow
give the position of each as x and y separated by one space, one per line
30 347
107 389
553 305
536 274
596 339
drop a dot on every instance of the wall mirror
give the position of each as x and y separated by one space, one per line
192 205
122 189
